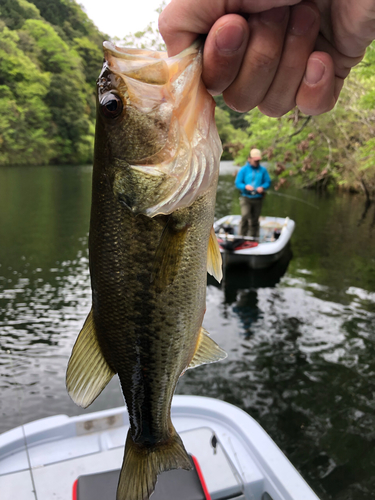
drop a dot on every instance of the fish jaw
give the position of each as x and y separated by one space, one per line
163 145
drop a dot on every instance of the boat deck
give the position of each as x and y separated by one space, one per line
42 460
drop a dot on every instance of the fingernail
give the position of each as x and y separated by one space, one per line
229 38
314 71
302 19
274 16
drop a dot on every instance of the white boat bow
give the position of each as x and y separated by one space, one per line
41 460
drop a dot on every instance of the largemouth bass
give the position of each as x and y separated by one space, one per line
151 243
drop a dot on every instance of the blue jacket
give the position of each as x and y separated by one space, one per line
255 176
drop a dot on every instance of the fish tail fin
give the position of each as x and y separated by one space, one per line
142 465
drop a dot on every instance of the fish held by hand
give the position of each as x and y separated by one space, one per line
151 242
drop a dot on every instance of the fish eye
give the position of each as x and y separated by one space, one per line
111 106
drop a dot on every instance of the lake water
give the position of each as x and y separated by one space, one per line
300 336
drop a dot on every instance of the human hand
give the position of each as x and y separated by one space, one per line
347 29
260 190
249 187
268 61
349 26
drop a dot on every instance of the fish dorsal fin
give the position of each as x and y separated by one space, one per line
207 350
168 255
214 262
88 372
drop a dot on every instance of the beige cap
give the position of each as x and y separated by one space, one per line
255 154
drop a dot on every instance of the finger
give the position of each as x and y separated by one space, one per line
343 64
223 52
302 31
339 83
183 20
353 26
317 93
267 31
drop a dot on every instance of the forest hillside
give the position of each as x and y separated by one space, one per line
50 55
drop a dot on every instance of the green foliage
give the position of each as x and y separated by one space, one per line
233 139
55 56
91 56
50 57
70 20
15 12
238 120
25 116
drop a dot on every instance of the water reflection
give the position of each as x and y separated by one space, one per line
45 290
239 277
306 373
240 284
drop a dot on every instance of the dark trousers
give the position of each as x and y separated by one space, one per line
250 211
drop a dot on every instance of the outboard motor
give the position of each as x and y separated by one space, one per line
232 244
227 229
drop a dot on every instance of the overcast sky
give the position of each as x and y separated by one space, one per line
121 17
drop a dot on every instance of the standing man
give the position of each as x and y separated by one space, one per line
252 181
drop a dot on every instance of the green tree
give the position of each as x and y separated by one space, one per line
233 139
48 69
14 12
24 119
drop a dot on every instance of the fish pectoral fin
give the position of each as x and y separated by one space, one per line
88 372
207 351
168 255
214 262
142 464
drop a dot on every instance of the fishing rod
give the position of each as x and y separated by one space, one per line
293 198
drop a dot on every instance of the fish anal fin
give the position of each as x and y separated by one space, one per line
142 464
207 351
214 262
168 254
88 372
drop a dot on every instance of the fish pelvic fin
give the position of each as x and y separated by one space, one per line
214 262
207 351
168 254
142 464
88 372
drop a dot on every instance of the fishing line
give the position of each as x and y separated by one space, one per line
293 198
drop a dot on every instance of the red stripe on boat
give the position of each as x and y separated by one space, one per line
201 478
247 244
75 489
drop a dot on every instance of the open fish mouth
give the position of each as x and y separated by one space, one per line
171 89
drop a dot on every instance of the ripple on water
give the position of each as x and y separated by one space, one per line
39 320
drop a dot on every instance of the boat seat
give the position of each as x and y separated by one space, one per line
181 484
